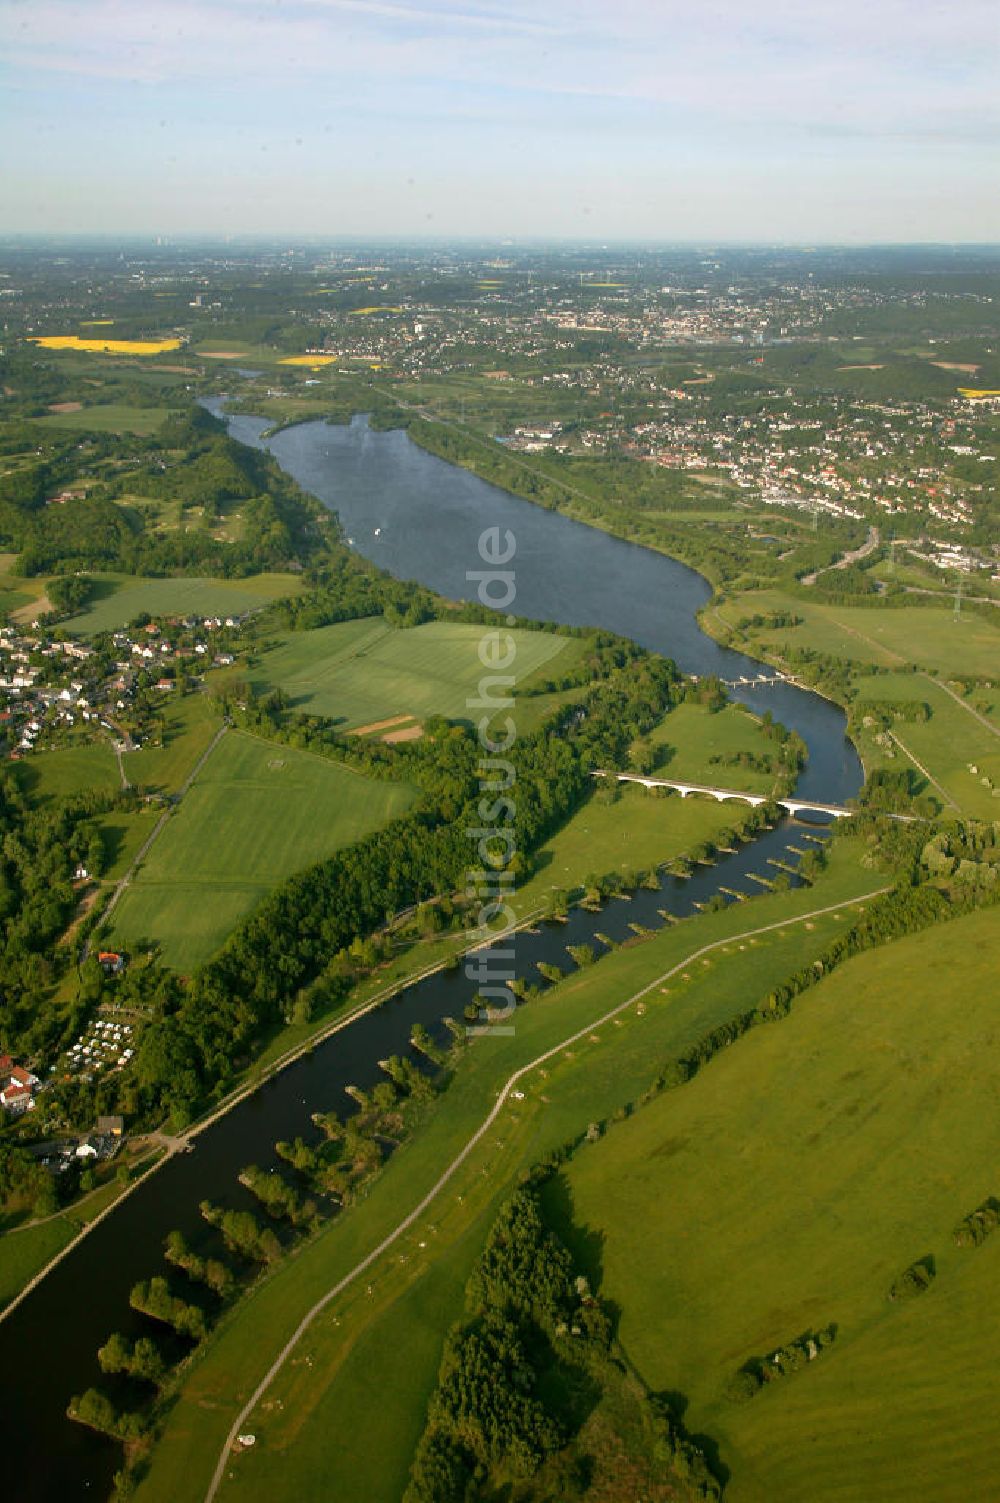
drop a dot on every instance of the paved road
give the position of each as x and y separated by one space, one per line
852 557
459 1160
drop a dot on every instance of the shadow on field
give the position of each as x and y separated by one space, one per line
586 1244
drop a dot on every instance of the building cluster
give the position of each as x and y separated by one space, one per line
106 1046
44 685
51 685
17 1087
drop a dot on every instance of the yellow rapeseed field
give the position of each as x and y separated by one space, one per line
106 346
314 362
375 308
977 393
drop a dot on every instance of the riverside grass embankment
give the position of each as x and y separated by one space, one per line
709 990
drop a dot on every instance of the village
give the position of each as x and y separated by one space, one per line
54 686
58 692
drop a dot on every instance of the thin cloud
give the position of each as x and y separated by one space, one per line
382 10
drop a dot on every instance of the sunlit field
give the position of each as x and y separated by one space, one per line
105 346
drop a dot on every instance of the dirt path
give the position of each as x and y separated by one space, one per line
852 631
960 701
921 768
463 1154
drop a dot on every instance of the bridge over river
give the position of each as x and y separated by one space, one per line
793 805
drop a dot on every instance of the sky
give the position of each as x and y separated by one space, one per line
722 120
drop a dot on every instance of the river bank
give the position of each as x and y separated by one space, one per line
567 1028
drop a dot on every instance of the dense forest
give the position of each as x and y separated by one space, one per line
190 462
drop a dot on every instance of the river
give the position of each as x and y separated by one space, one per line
428 516
420 518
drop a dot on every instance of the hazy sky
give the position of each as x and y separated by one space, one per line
709 119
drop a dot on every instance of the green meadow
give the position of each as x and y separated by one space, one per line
635 832
694 736
25 1253
162 764
326 1427
256 813
926 635
784 1189
120 598
69 770
956 753
16 592
961 753
111 417
364 672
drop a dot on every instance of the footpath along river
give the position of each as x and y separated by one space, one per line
428 515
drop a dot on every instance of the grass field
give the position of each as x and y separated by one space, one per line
123 597
114 417
189 723
949 745
784 1189
386 1335
123 835
256 813
17 593
638 831
25 1253
693 735
74 769
928 636
239 353
943 750
363 672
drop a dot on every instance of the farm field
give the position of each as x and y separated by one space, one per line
256 813
364 672
928 636
114 417
320 1431
123 835
785 1188
591 842
239 352
123 597
694 735
74 343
